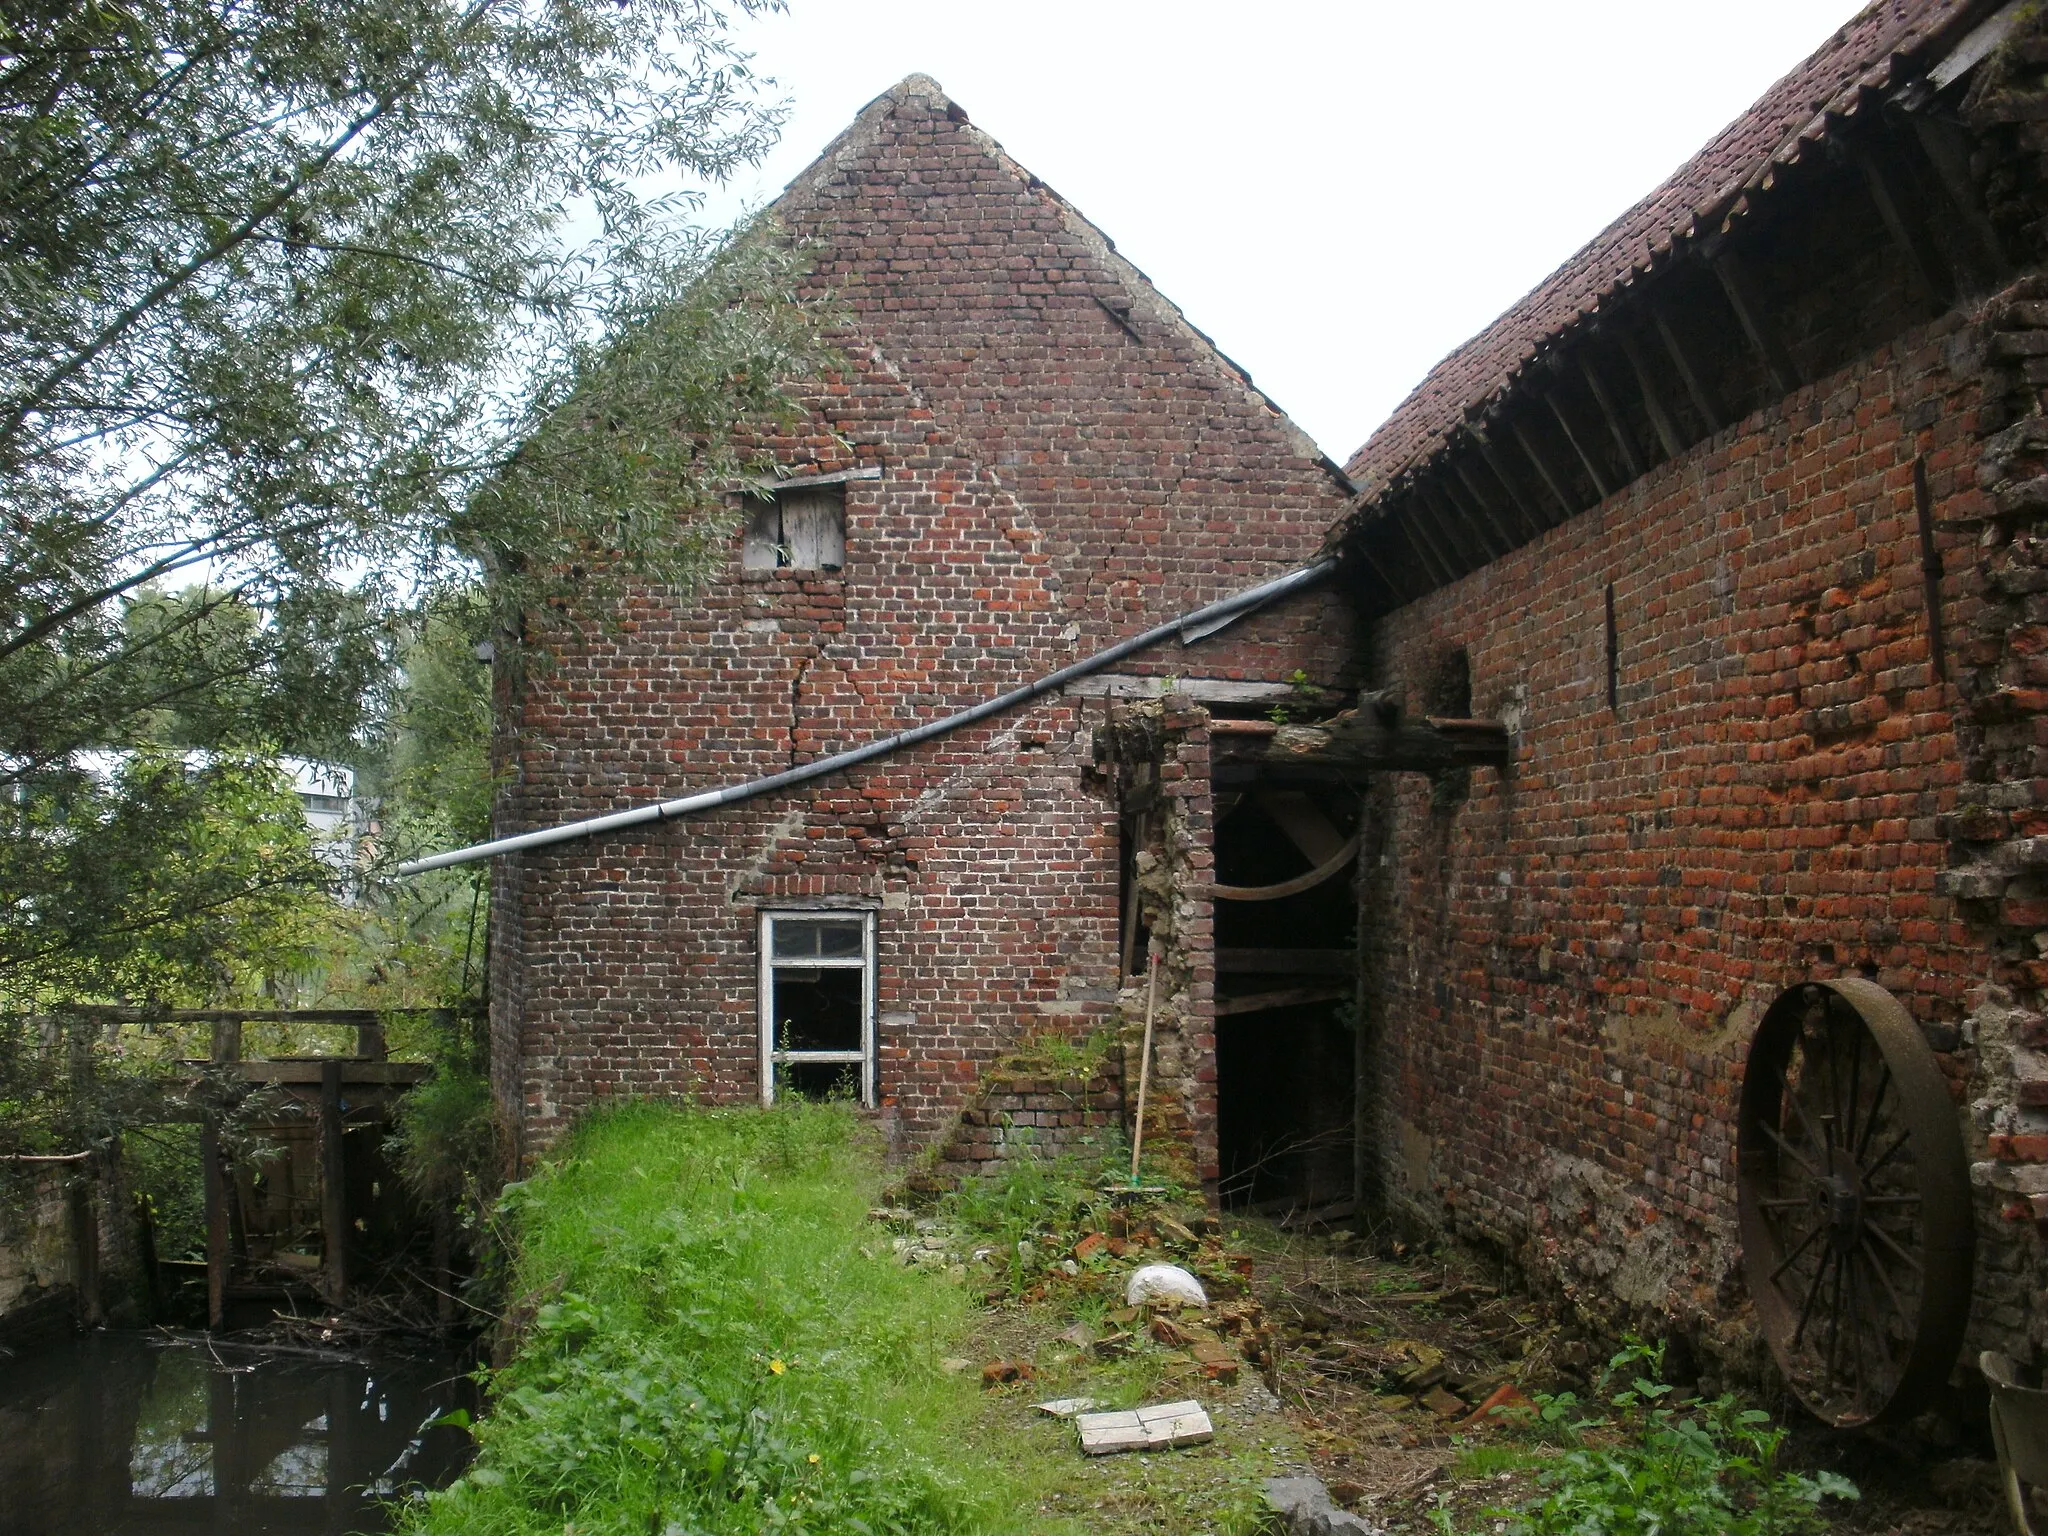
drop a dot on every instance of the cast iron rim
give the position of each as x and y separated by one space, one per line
1857 1233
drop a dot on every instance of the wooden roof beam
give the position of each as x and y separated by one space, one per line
1695 384
1586 462
1499 539
1616 427
1653 398
1429 529
1923 258
1756 322
1497 462
1527 528
1549 475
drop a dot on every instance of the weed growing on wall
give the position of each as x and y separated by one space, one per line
714 1341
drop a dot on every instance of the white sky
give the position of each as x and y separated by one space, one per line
1337 193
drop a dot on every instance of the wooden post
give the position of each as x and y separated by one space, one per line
213 1178
1145 1063
85 1245
333 1188
226 1046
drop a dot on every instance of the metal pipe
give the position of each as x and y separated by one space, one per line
1190 627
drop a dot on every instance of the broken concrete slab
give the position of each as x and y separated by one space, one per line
1160 1427
1305 1508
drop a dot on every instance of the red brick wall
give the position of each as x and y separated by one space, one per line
1566 964
1064 461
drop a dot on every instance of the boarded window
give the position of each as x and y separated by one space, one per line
801 529
817 1005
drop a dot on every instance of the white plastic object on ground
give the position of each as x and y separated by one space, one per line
1164 1282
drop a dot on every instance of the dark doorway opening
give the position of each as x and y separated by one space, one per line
1286 977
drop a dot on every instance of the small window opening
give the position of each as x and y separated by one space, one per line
1613 656
818 1005
801 528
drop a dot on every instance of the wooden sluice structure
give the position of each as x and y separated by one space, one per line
289 1222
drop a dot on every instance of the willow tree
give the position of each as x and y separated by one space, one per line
315 308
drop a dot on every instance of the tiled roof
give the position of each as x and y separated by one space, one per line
1707 193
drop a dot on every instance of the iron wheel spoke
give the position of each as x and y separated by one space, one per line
1893 1243
1786 1262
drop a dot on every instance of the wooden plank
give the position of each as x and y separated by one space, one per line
1571 435
1287 962
1305 825
1756 322
814 528
1695 384
308 1070
1616 427
333 1189
1653 398
1268 1002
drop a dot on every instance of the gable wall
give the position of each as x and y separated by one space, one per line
1054 478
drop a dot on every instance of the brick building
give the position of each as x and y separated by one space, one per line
1684 647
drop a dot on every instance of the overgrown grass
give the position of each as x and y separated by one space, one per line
718 1342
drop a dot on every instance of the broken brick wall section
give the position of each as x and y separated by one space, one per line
1564 965
1029 1112
1155 755
1999 829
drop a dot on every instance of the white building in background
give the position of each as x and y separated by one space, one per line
337 819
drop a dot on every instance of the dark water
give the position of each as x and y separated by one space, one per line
127 1434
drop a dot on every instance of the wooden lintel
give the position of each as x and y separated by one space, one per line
1653 399
1287 962
1551 478
1268 1002
1756 322
1502 472
1360 740
1484 529
1616 427
1703 399
1923 259
1571 435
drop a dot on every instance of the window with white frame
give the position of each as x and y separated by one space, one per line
818 1005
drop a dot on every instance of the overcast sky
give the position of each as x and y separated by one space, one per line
1337 193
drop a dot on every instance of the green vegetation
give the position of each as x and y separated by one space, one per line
716 1339
1641 1463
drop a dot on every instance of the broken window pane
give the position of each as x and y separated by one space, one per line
817 1010
817 1001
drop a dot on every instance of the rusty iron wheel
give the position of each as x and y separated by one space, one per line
1857 1233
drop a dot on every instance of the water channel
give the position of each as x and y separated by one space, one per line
133 1434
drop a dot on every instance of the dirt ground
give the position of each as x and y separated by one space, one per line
1319 1355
